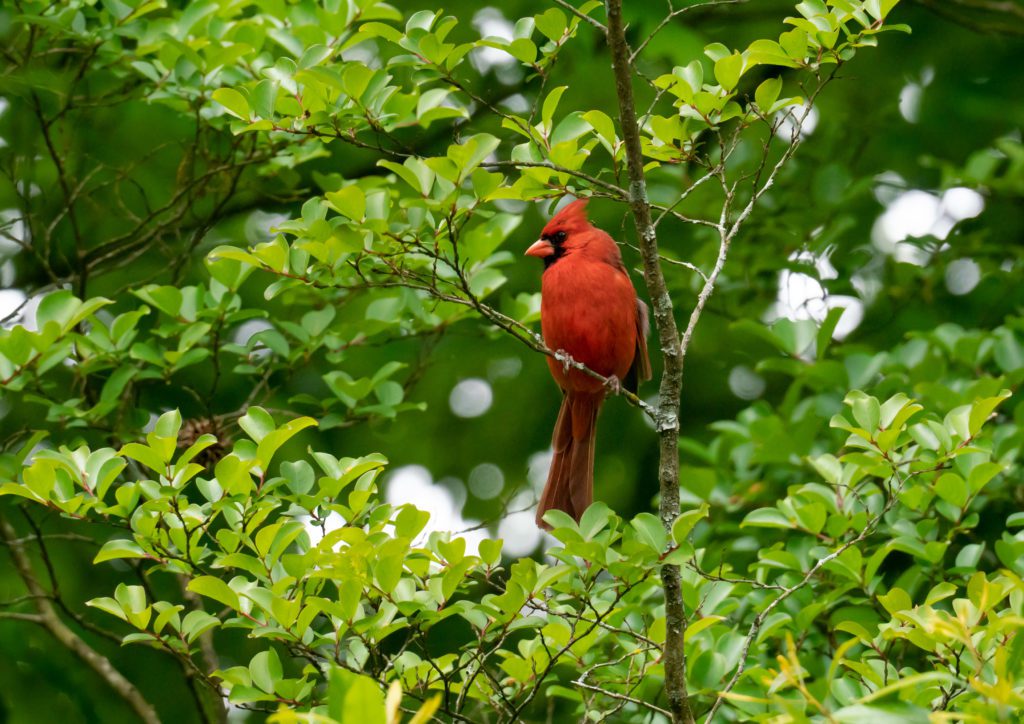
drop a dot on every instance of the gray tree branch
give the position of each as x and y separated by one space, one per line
667 410
47 617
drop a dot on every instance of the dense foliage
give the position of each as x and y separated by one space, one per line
252 247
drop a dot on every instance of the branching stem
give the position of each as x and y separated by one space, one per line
667 410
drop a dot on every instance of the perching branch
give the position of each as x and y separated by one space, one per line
460 293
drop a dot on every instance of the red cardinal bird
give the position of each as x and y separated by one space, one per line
589 309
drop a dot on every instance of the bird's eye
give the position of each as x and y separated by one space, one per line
559 237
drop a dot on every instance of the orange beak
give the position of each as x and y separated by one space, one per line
540 248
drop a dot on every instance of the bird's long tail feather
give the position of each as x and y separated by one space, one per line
570 485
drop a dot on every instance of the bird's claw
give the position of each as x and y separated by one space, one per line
613 385
563 357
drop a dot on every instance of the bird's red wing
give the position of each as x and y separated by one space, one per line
640 370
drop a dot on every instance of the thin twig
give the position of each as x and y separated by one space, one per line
585 18
593 180
672 15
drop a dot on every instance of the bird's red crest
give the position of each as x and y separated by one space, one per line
571 218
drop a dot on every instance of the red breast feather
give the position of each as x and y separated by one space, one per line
588 309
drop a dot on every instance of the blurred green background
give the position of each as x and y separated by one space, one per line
904 204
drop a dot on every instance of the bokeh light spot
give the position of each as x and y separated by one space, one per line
471 398
962 276
745 383
486 481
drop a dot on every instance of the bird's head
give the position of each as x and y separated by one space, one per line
566 232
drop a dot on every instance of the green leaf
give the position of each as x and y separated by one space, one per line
149 457
952 488
906 712
349 201
257 423
595 519
765 96
879 9
109 605
233 475
300 476
829 468
894 713
355 79
967 558
766 518
263 97
133 603
119 548
811 8
380 30
812 516
425 713
265 669
794 43
604 126
523 49
235 254
700 624
715 51
650 531
57 307
828 326
957 422
168 614
235 103
389 393
490 551
896 600
686 522
550 105
66 310
982 409
338 682
196 623
728 70
364 702
168 424
866 410
273 440
215 588
981 475
471 153
552 23
317 321
768 52
940 592
559 519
